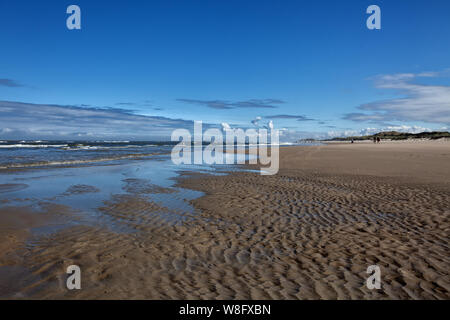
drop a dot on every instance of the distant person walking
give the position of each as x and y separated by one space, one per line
374 140
378 140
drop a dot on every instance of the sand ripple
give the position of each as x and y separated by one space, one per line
297 235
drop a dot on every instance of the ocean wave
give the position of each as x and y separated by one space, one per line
71 146
75 148
113 141
89 147
20 145
74 162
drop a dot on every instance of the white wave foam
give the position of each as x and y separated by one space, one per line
73 162
20 145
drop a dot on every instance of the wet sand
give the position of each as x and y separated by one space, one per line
309 232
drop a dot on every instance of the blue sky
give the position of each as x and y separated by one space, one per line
139 69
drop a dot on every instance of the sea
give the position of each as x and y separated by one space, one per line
40 153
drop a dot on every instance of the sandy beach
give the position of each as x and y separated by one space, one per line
309 232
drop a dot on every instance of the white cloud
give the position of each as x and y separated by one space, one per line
370 131
226 126
256 121
425 103
44 121
408 129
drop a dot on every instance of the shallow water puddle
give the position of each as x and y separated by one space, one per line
87 188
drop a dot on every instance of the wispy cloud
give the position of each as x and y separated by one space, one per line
125 103
10 83
33 121
289 116
420 102
223 104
